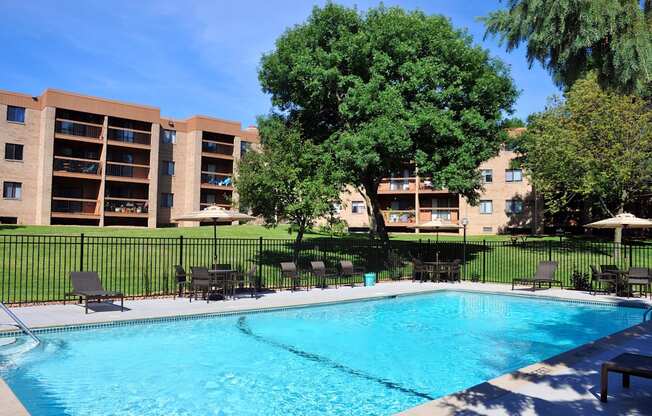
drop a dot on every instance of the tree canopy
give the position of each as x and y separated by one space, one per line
388 88
572 37
595 145
290 179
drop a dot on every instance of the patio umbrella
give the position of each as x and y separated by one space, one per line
621 221
437 224
216 214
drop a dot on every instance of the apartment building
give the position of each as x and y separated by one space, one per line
74 159
408 200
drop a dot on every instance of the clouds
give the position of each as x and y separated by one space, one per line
184 57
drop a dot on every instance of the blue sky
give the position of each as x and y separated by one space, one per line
190 57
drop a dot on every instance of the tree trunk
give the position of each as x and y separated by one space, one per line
618 232
371 191
297 241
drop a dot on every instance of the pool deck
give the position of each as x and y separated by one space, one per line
567 384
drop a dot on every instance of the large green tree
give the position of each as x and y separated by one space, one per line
389 88
595 145
289 180
572 37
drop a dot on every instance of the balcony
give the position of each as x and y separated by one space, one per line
426 186
74 208
133 172
446 215
76 167
217 149
129 137
397 186
399 218
76 129
122 207
217 180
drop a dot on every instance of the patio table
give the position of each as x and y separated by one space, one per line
439 268
224 276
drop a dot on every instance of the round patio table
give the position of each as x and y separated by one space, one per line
224 276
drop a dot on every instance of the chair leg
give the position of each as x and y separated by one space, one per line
122 304
604 382
86 306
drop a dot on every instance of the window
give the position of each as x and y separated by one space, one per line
13 151
244 147
513 206
167 200
486 206
15 114
167 167
487 229
357 207
487 175
12 190
513 175
8 220
169 136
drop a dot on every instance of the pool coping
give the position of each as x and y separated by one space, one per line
431 408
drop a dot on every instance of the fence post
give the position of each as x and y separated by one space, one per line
631 251
259 283
81 253
549 250
181 250
484 260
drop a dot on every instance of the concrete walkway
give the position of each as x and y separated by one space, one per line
565 385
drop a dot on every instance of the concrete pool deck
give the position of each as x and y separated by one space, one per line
564 385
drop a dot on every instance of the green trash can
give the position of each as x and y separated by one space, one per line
369 279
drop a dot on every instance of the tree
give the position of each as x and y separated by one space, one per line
595 145
291 179
572 37
390 88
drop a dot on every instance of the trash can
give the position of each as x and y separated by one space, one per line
369 279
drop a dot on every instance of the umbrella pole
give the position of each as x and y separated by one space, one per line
215 240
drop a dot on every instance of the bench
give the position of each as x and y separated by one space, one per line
628 365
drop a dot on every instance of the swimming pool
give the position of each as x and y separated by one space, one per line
361 358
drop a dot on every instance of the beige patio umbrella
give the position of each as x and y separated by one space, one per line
437 224
216 214
620 222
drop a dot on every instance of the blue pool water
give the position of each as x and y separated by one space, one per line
364 358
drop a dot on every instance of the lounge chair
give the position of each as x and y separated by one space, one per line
638 276
628 365
289 270
87 285
322 275
598 278
545 274
349 272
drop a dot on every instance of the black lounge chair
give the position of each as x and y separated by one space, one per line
628 365
545 274
87 286
322 275
289 270
349 272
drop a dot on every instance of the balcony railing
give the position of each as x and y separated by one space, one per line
125 207
72 128
217 179
73 206
76 165
126 170
129 136
399 217
397 185
218 148
444 214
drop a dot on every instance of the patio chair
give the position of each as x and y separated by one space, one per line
87 286
349 272
545 274
455 271
247 279
611 269
638 277
289 271
221 266
200 282
627 364
182 279
322 275
598 278
420 271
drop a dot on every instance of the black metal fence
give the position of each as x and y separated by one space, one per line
36 268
